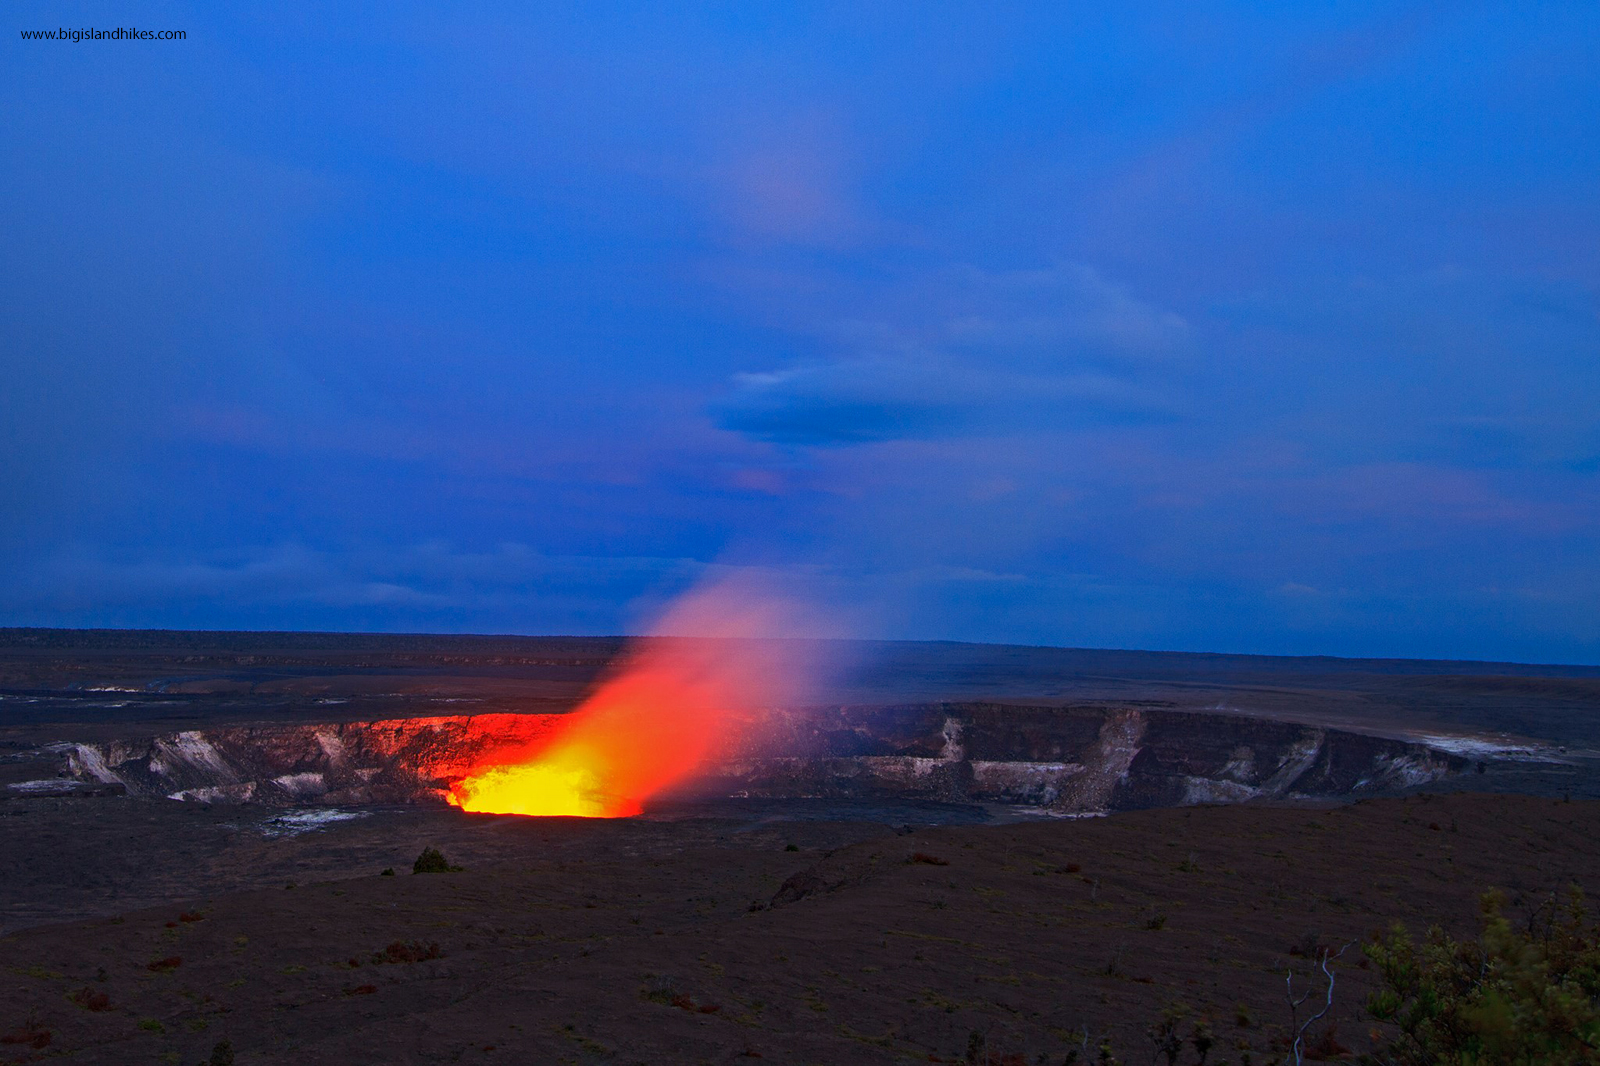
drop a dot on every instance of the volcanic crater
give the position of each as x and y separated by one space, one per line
1062 759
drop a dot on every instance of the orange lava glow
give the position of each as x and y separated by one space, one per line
649 727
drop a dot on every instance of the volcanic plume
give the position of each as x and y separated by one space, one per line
652 724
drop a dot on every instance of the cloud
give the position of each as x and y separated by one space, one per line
998 353
844 403
878 399
1065 311
1069 307
1465 368
418 587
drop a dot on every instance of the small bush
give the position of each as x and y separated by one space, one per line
1311 946
30 1034
1327 1046
191 916
402 952
221 1054
1166 1037
1157 921
432 861
791 847
388 871
166 965
90 1000
151 1025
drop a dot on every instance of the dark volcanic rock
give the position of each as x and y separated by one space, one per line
1071 758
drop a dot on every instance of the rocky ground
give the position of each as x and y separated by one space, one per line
725 941
847 930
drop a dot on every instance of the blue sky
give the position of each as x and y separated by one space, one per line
1235 327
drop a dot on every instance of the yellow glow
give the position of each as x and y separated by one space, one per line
539 788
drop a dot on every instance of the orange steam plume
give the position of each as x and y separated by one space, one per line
653 723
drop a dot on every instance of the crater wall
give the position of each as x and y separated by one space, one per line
1066 758
1071 759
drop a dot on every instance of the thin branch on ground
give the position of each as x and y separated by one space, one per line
1297 1048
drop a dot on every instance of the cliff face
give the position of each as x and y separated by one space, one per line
398 761
1069 759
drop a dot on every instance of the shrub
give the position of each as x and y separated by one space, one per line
1326 1046
403 951
30 1034
221 1054
1165 1037
1309 946
1523 996
432 861
166 965
90 1000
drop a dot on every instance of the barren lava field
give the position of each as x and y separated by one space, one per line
139 929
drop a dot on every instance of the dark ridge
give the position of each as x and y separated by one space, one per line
1091 663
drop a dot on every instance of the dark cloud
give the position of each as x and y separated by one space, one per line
974 353
844 403
422 587
867 400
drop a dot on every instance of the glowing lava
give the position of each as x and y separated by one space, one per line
536 788
640 732
650 726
